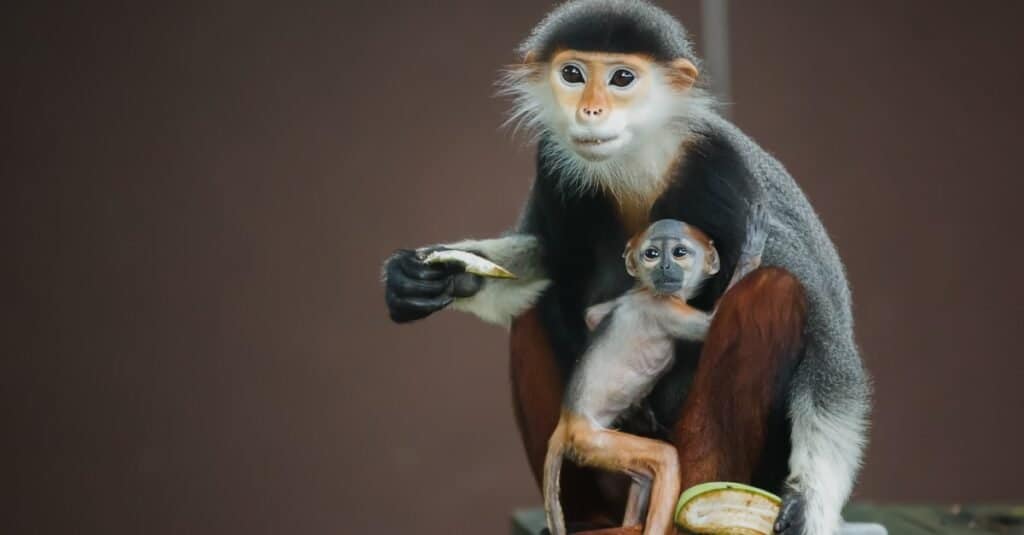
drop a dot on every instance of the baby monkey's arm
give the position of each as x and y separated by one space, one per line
596 313
685 322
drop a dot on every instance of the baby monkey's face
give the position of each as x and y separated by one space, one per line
671 257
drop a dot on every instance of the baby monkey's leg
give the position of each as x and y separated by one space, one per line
621 452
537 394
636 504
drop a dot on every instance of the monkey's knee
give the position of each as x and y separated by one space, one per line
652 459
575 434
666 460
772 284
764 312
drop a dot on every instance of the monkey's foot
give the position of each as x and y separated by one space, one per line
728 509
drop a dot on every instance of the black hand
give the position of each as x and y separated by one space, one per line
414 289
791 518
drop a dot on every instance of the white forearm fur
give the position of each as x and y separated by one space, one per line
499 301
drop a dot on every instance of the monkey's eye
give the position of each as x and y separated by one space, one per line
680 252
651 253
572 74
622 78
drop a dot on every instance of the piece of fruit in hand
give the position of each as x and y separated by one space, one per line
472 263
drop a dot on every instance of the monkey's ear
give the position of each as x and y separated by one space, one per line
628 255
712 264
530 57
682 73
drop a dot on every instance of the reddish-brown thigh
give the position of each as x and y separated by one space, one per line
751 349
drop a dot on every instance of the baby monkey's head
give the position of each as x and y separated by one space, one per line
671 258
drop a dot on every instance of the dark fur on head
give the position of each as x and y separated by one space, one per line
624 26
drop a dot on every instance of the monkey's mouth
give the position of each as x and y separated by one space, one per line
597 148
665 287
594 141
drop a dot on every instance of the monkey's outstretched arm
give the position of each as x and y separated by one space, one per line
415 289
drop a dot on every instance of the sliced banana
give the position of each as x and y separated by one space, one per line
727 509
471 262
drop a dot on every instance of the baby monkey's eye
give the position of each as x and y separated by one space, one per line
622 78
572 74
651 253
680 252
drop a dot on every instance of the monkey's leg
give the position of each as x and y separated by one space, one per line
733 408
636 503
621 452
537 399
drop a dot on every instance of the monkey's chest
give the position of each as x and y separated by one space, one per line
619 372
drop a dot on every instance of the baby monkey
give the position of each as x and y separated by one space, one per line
632 346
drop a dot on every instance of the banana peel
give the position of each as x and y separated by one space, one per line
725 508
472 263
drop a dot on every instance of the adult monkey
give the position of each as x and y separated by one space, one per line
777 395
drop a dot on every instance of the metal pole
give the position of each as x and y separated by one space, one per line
715 27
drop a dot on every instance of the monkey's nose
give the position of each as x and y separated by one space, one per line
590 113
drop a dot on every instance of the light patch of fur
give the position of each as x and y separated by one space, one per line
658 127
827 449
499 301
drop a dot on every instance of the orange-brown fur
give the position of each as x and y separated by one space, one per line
635 214
537 400
682 74
616 451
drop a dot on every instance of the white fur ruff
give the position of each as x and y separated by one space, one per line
659 127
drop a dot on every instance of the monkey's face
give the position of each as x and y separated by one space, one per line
610 121
599 100
599 105
671 257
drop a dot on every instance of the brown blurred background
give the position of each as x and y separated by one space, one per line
197 198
